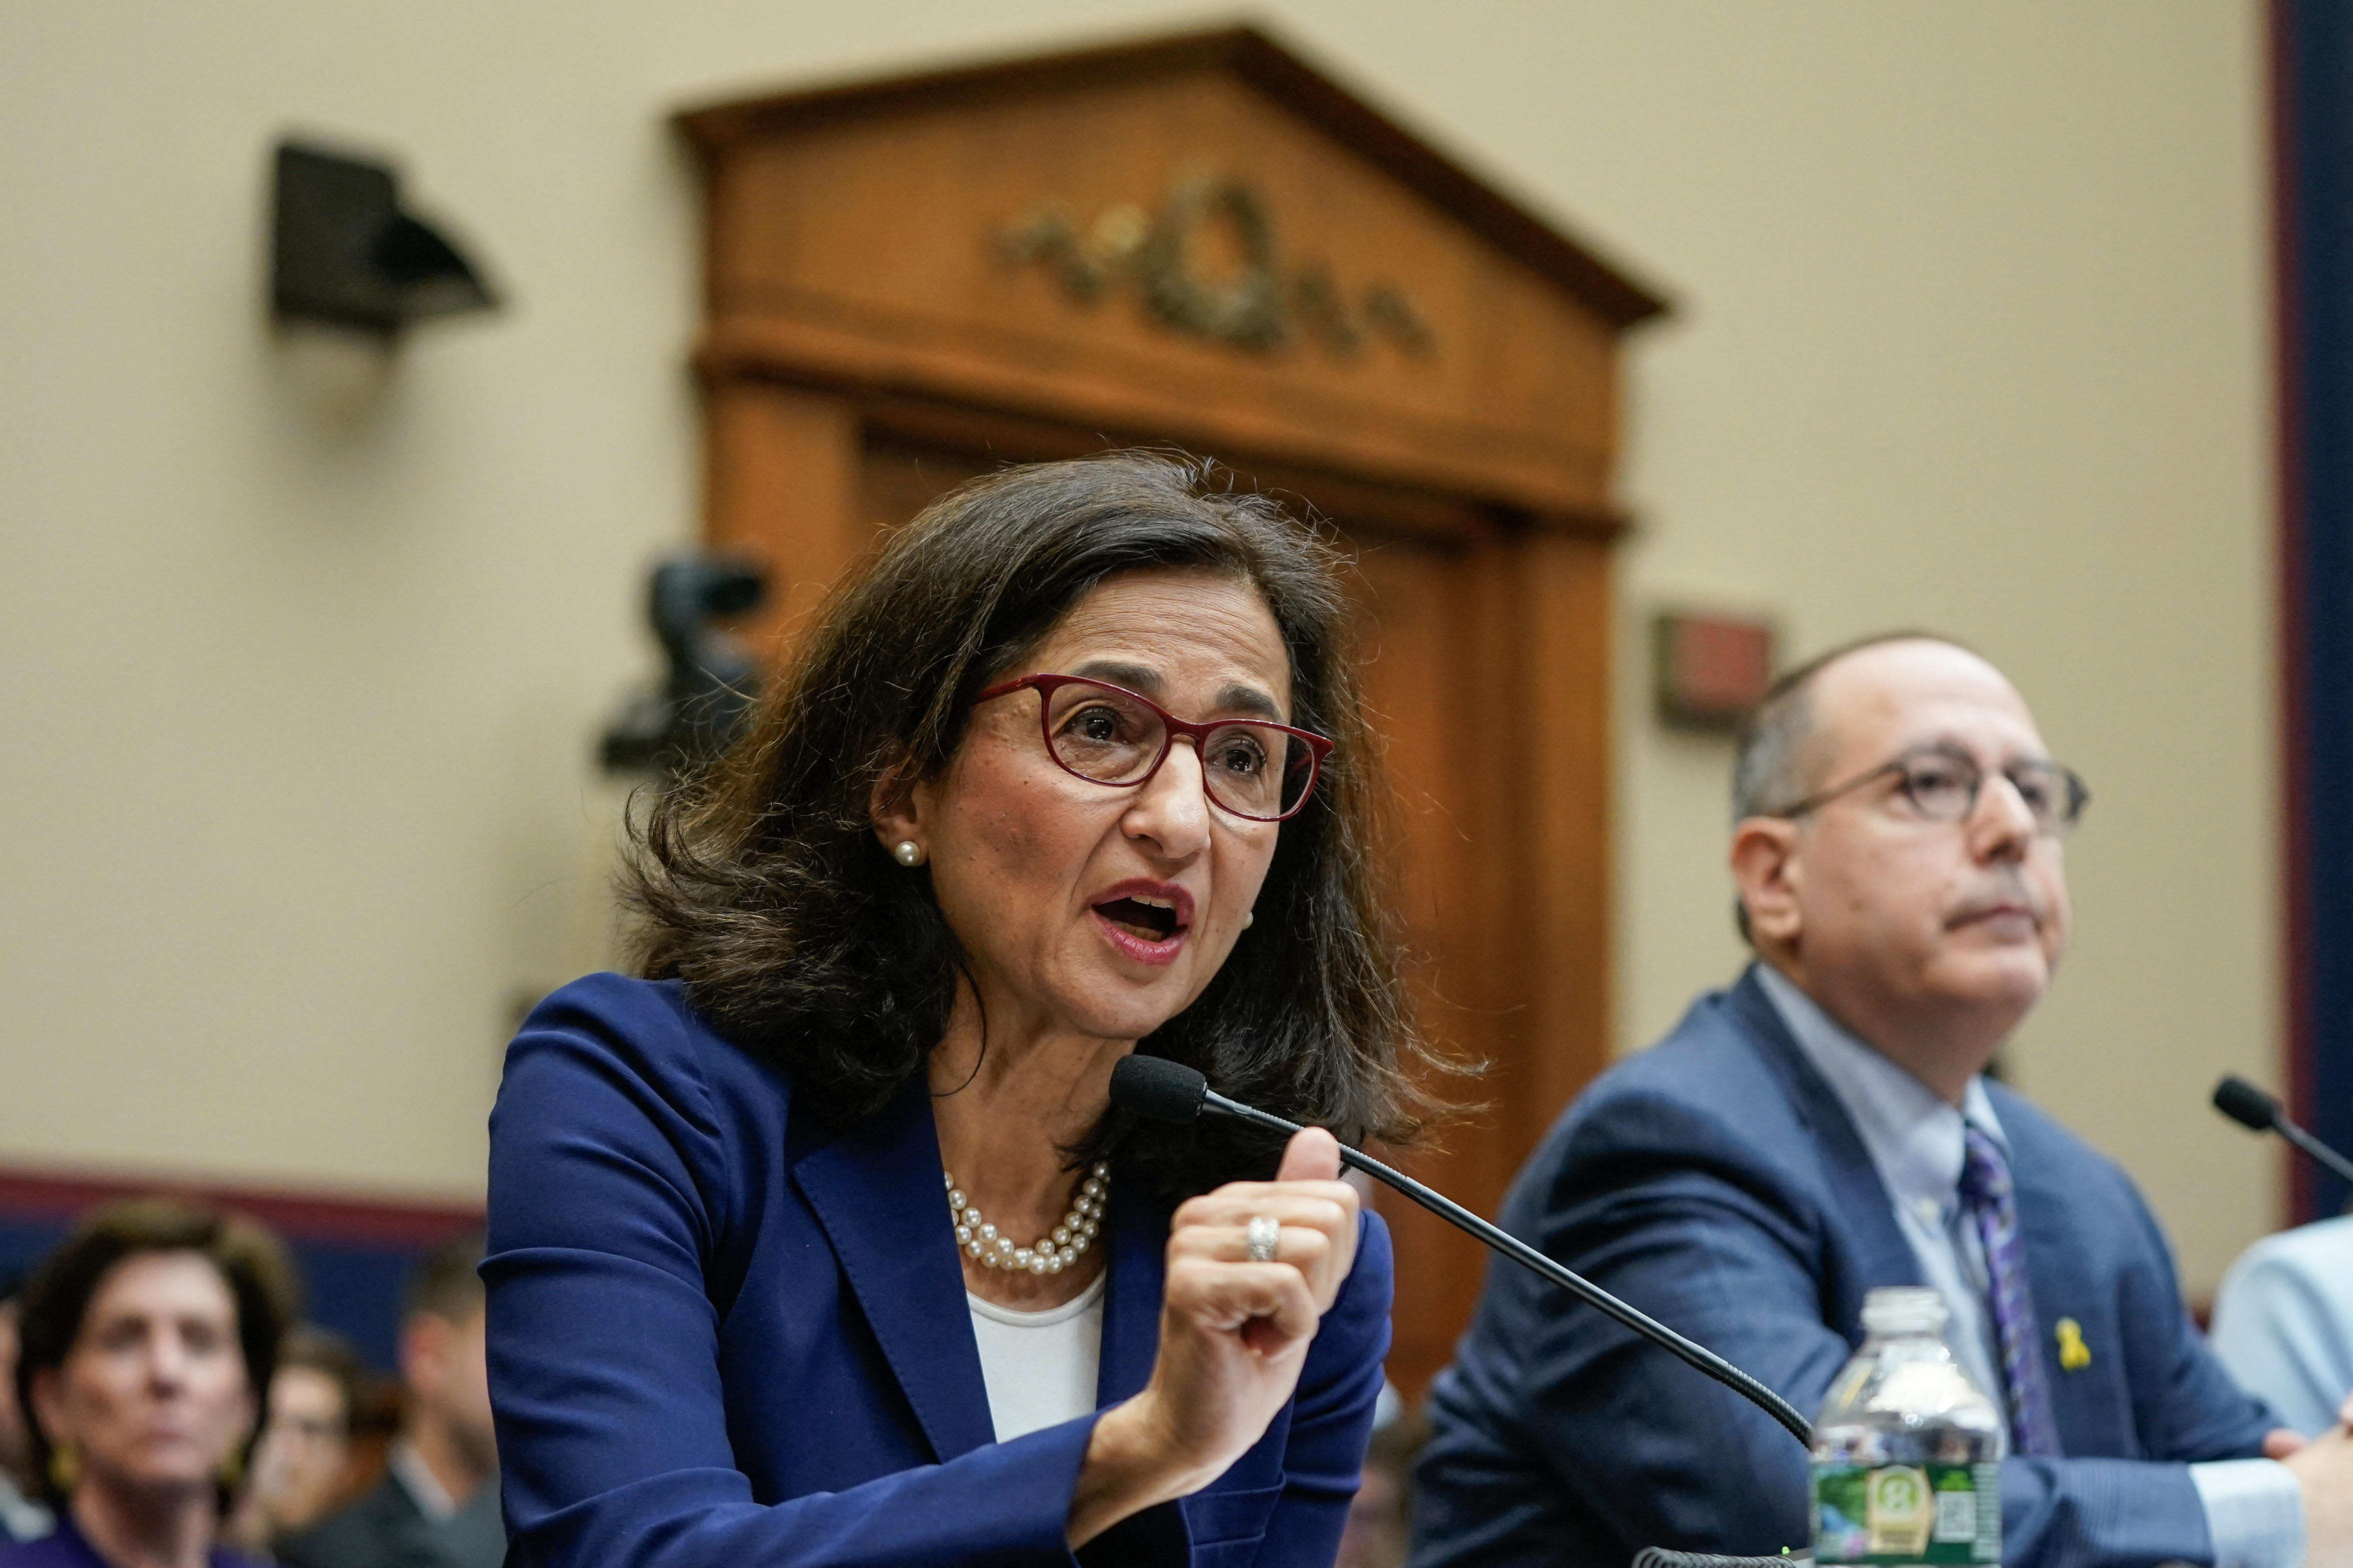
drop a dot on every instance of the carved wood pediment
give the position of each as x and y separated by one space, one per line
1201 238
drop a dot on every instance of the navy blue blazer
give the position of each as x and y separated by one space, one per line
1716 1182
721 1334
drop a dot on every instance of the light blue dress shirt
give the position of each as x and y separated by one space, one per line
2284 1322
2254 1508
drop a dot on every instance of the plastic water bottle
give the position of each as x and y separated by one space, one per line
1907 1454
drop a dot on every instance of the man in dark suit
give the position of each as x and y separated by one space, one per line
438 1505
1823 1128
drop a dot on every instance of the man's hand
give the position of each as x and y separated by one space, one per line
2324 1469
2281 1441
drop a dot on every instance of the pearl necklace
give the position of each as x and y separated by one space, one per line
1053 1252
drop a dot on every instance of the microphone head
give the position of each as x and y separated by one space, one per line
2244 1103
1158 1089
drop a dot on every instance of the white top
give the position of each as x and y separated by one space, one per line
2284 1322
425 1490
2254 1508
22 1518
1039 1367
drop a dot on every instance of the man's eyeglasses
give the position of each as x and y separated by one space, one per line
1108 735
1943 782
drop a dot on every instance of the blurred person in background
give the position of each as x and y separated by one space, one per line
302 1463
21 1519
2284 1322
438 1505
1378 1532
148 1342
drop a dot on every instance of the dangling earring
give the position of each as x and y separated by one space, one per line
907 852
1250 919
65 1466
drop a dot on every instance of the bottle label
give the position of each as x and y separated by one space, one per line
1907 1514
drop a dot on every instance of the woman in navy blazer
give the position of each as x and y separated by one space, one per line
1072 765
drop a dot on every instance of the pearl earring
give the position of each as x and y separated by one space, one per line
908 852
1250 919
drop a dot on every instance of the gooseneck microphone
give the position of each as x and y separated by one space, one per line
2248 1106
1162 1091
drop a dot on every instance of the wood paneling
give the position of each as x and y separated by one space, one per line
867 347
781 485
1423 679
1566 621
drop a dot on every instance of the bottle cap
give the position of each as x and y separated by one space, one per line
1903 1309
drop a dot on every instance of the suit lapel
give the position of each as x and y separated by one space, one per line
1866 1213
1138 1233
877 1190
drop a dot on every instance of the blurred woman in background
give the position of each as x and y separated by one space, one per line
823 1244
148 1342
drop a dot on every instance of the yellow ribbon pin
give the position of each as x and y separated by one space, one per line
2075 1356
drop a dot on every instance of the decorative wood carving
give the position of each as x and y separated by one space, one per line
1203 241
1260 304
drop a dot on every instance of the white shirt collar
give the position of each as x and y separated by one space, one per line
1914 1137
433 1500
22 1518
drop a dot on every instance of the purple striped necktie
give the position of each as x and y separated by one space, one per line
1987 1193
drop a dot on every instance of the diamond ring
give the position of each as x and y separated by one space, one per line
1262 1233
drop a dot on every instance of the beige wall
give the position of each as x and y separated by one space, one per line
1977 344
300 652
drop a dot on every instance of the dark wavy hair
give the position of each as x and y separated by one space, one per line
761 885
250 1262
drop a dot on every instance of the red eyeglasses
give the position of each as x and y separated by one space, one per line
1109 735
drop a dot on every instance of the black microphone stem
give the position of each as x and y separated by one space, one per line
2313 1146
1503 1241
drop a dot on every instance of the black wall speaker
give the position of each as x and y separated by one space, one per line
344 253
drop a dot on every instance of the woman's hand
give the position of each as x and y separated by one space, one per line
1233 1335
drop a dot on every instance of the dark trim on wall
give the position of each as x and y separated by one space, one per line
2311 69
354 1254
2288 459
35 1194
